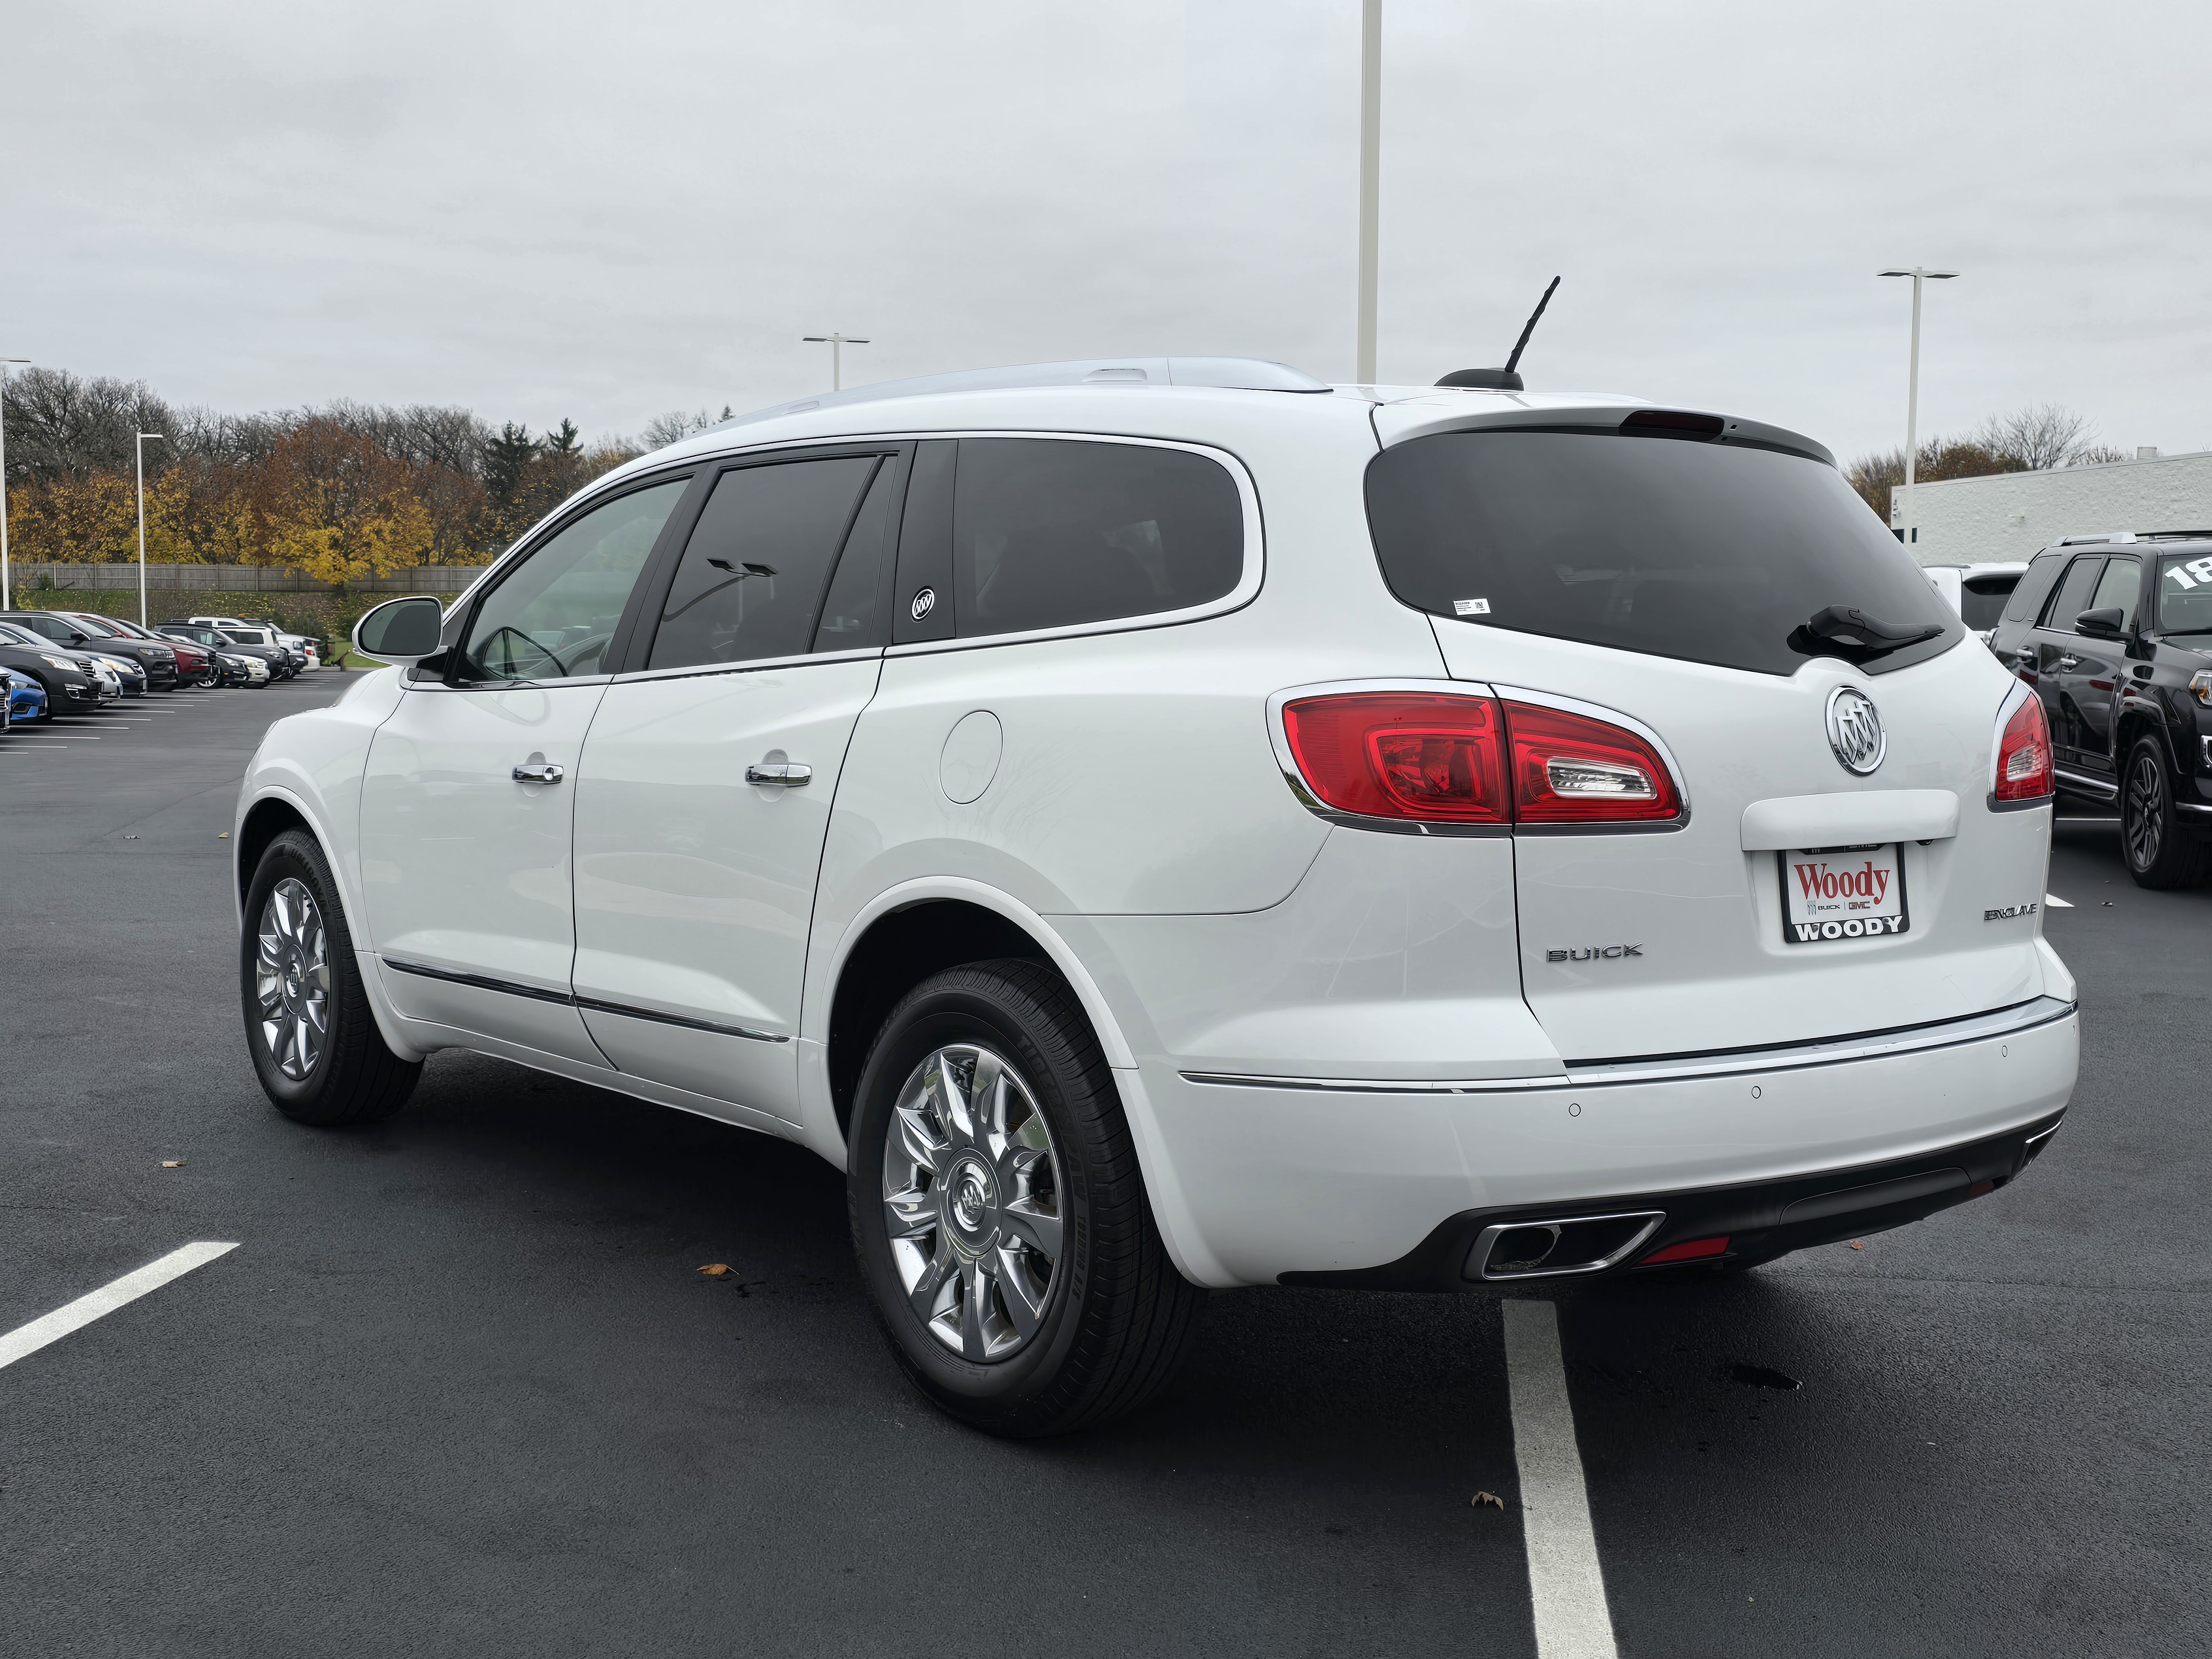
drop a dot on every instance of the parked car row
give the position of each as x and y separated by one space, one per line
79 661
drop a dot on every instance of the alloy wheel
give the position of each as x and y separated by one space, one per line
971 1196
2146 812
292 979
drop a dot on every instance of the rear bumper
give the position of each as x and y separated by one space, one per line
1757 1219
1328 1184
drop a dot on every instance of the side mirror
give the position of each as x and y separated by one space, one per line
400 631
2105 624
76 638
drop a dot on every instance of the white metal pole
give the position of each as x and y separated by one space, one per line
7 593
1912 413
1370 145
836 362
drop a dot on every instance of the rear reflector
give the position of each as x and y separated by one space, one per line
1696 1250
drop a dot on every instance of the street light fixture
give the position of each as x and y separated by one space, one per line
836 343
1919 275
7 600
158 438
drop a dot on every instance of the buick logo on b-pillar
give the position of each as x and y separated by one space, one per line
1854 730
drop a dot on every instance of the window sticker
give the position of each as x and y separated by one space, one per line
1481 607
2197 573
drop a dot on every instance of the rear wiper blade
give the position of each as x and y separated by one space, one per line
1848 625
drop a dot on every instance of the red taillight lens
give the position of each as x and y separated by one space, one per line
1402 755
1470 759
2023 753
1570 768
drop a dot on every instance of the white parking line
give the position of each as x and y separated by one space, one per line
52 1328
2055 903
1565 1582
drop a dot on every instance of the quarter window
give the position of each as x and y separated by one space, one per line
753 575
1050 533
553 617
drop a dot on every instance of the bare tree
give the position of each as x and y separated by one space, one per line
674 427
2041 437
64 425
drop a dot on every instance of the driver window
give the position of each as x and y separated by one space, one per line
2116 589
553 617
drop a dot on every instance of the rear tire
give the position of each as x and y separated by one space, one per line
2160 851
998 1212
314 1041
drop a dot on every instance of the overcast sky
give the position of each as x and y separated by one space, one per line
605 211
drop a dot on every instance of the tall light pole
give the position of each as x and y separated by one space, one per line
1370 147
143 436
836 343
1919 275
7 596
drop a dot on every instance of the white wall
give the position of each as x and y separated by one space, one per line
2013 514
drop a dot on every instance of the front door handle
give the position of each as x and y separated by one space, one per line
2070 662
790 773
537 771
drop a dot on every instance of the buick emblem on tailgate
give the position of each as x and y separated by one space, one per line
1854 730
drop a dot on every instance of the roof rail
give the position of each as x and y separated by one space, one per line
2121 536
1228 373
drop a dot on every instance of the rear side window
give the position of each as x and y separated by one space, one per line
1706 552
1051 532
2041 573
2116 589
753 575
2073 596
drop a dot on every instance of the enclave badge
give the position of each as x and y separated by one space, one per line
1854 730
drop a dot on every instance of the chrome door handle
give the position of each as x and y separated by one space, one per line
789 773
2070 662
538 772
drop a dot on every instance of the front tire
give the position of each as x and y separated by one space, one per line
998 1212
314 1041
2159 850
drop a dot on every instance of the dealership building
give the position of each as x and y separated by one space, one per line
2013 515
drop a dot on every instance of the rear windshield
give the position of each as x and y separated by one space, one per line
1982 599
1707 552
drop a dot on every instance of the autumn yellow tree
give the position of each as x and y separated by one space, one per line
337 506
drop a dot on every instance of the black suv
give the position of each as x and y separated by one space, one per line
2115 634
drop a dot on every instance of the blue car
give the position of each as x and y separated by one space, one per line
27 699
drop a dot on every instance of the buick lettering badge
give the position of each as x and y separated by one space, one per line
1854 730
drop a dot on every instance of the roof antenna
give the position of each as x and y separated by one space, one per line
1505 379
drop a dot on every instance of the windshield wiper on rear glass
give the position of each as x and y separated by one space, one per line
1848 626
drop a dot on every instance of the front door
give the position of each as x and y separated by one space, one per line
467 806
2092 686
708 780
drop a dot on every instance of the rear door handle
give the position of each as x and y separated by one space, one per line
538 772
790 773
2070 662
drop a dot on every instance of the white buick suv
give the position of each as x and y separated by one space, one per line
1168 823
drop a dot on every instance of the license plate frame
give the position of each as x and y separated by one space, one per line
1849 912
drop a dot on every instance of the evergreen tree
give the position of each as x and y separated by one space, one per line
564 441
506 458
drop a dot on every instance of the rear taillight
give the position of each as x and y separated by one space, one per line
2023 769
1440 758
1402 755
1570 768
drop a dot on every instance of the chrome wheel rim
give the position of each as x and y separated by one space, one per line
972 1202
2146 827
292 979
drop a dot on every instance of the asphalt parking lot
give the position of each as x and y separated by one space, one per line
461 1388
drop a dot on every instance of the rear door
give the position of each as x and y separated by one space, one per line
1680 589
707 784
2057 654
2089 687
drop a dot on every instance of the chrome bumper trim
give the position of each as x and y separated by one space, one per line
1677 1068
